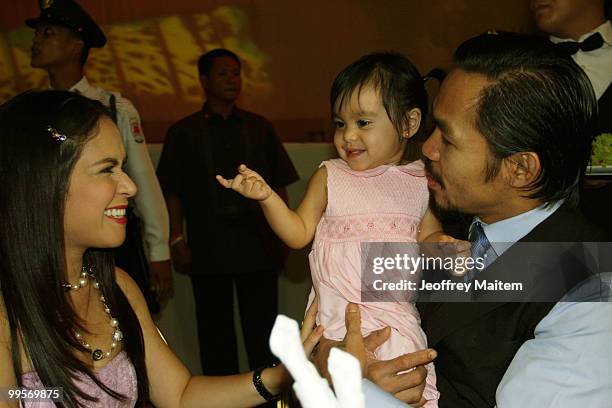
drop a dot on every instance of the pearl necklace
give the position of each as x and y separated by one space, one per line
96 354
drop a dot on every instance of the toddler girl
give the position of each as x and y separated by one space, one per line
368 194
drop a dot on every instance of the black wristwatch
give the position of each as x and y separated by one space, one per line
261 388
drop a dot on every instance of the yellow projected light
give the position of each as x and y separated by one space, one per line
153 57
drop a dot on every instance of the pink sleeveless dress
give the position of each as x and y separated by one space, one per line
384 204
119 375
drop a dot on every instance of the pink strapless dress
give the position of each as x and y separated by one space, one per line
119 375
385 204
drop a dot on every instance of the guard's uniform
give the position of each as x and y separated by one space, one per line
149 201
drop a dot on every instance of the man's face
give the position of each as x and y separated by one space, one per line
456 153
54 46
556 16
223 82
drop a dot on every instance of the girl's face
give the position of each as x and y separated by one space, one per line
98 193
364 135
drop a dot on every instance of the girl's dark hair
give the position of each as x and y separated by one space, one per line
394 76
538 101
35 172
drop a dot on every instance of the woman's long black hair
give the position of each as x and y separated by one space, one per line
35 173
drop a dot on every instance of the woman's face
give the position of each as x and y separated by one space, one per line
98 192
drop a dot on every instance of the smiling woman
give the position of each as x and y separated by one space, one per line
68 318
61 157
98 193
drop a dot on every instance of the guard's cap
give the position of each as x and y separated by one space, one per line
69 14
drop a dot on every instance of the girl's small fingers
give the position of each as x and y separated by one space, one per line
248 184
245 170
238 180
463 246
259 186
223 181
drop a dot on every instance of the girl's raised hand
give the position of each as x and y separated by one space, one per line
248 183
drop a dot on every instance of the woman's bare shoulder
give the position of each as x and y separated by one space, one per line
131 290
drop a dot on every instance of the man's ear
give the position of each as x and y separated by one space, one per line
522 169
413 122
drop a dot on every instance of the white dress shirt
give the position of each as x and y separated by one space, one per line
569 361
597 64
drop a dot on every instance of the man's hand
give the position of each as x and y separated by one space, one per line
160 280
248 183
353 343
407 386
181 257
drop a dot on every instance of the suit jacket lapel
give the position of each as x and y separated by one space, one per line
442 319
605 111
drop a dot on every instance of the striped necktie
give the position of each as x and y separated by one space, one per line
481 248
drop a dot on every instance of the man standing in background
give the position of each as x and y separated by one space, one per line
580 29
228 242
64 34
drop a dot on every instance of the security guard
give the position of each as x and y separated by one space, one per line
64 33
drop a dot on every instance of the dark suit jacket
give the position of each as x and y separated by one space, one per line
605 112
477 341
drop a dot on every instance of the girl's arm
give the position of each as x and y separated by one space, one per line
295 228
430 229
171 385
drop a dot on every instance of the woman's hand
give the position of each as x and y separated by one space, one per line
310 333
277 378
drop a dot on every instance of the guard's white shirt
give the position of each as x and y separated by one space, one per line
597 64
150 204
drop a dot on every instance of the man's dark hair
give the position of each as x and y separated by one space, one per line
397 80
205 62
538 101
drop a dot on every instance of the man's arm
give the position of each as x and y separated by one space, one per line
567 364
407 387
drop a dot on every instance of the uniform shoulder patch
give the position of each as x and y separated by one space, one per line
136 130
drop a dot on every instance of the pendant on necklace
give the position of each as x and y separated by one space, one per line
97 355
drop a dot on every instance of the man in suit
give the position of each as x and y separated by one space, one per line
581 29
514 124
